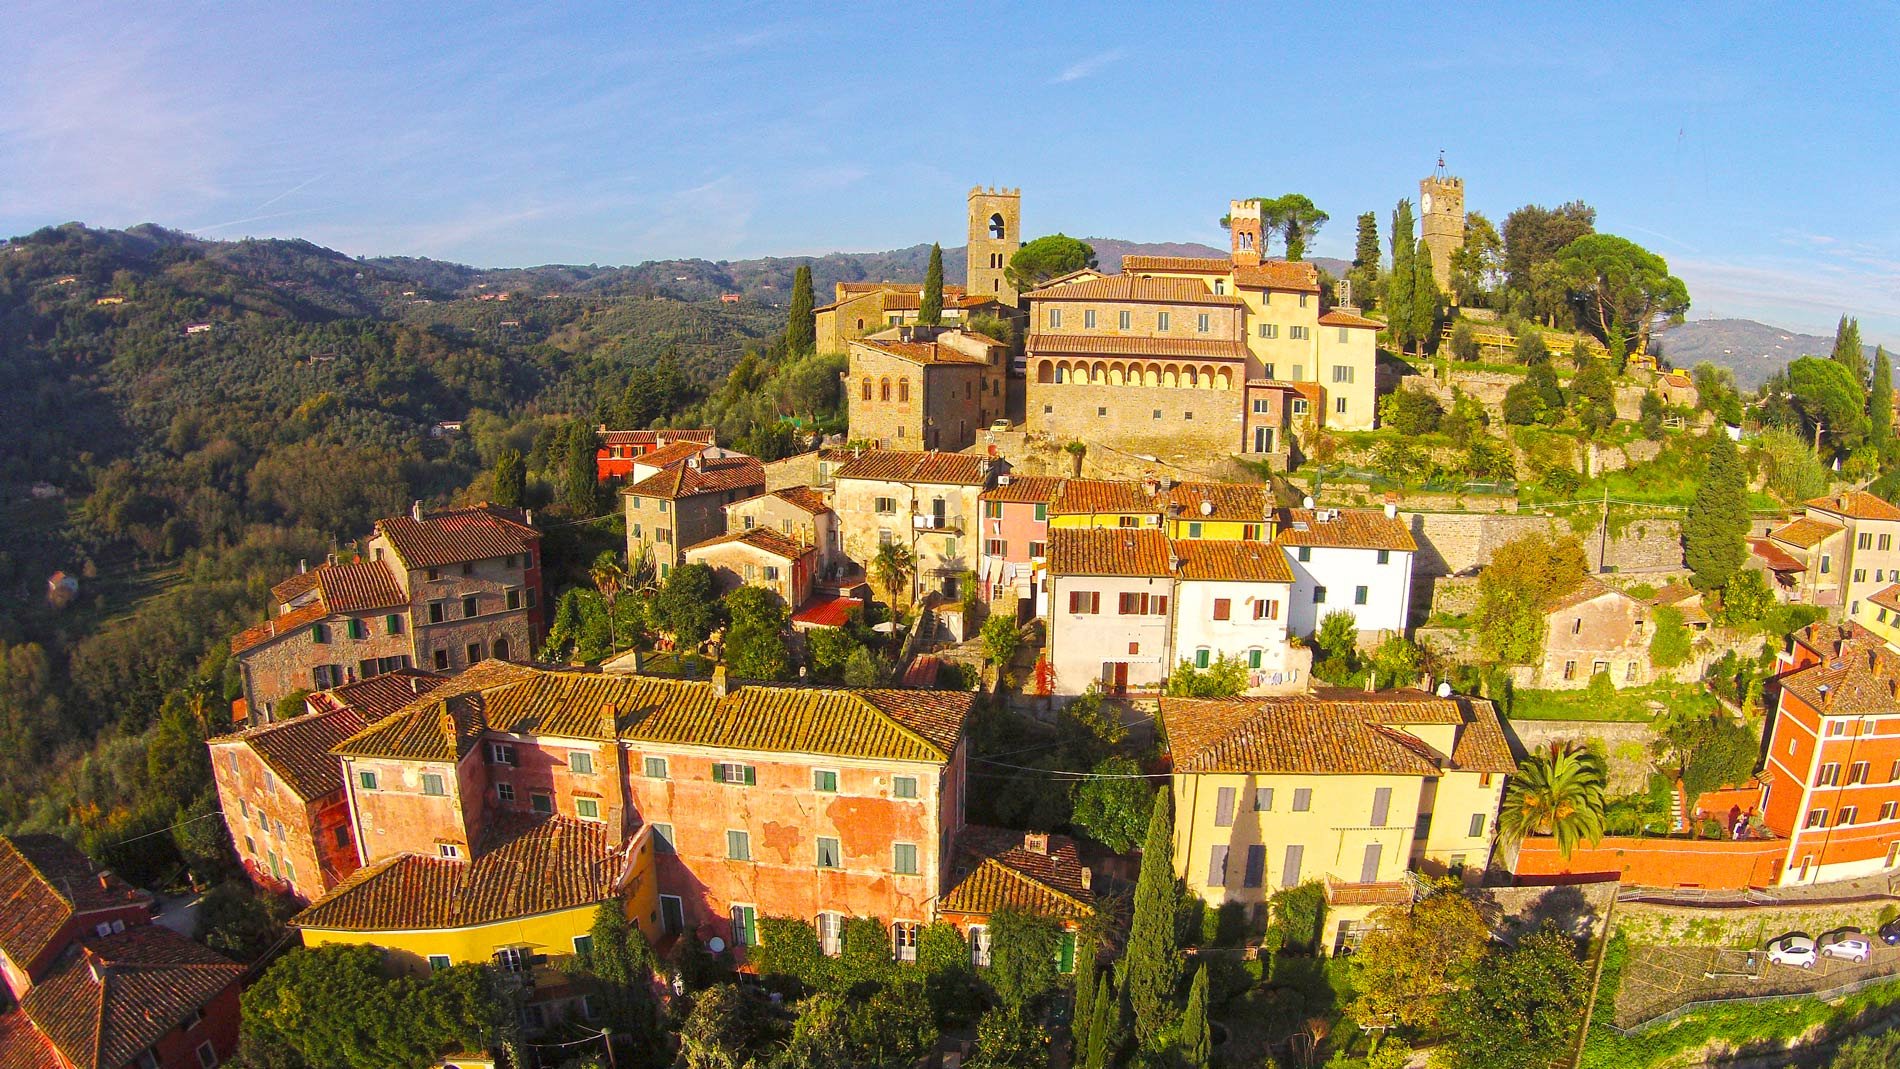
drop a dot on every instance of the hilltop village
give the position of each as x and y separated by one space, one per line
1192 660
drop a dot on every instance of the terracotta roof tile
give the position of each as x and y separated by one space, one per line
43 882
1350 529
712 476
1124 551
924 352
301 583
1119 345
803 498
378 697
1806 532
1094 497
1888 599
668 455
454 536
1024 489
656 437
1860 676
827 611
22 1046
278 626
357 586
1858 504
1773 556
1332 731
1341 318
1297 276
1200 265
120 994
994 869
1159 290
1589 588
523 869
1223 560
298 750
763 539
1248 502
885 465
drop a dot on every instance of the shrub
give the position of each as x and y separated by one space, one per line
1464 342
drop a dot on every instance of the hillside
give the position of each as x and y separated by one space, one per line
1753 350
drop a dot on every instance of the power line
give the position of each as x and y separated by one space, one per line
174 827
1073 775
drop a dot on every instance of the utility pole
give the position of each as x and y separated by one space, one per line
1603 541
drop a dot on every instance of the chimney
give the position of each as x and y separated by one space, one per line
721 682
303 565
1036 842
415 511
1149 486
415 684
1372 681
609 720
105 879
1391 511
1088 878
693 462
531 517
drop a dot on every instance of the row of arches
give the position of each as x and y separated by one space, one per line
1165 374
884 389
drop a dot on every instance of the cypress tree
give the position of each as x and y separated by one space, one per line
1152 965
930 306
1197 1042
511 479
1426 297
1714 534
1087 975
800 328
1880 405
577 474
1365 261
1103 1025
1400 280
1847 349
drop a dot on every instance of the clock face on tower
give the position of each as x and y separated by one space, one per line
1425 202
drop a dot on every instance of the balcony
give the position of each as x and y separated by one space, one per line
1348 893
949 523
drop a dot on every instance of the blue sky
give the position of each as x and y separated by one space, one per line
1756 148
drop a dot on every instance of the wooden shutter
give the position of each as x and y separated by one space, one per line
1224 808
1223 608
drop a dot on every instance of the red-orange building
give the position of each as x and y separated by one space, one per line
1832 776
619 449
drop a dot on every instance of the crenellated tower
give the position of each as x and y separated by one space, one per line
995 235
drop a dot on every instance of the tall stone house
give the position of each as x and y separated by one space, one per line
801 514
926 502
1595 628
440 591
1350 788
925 387
1110 591
1179 354
683 503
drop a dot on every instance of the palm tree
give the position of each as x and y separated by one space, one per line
1558 792
610 579
893 564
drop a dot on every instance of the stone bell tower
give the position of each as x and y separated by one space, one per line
995 235
1244 227
1441 208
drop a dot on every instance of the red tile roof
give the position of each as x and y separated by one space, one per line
297 750
379 696
358 586
995 869
122 993
1351 529
1341 318
923 352
1120 551
668 455
278 626
459 535
1248 502
1120 345
1222 560
1024 489
950 469
43 882
763 539
1806 532
1200 265
1858 504
1888 598
1093 497
1297 277
827 612
22 1046
803 497
1861 676
1145 288
1332 731
656 437
1774 557
711 476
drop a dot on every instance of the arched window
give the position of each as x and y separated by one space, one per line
903 391
883 389
860 323
867 387
996 225
501 647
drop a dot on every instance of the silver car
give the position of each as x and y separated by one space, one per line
1795 949
1847 945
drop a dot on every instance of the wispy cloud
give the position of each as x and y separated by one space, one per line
1082 68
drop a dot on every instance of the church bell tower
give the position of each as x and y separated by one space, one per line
995 235
1441 208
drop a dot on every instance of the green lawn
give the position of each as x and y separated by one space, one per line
1628 704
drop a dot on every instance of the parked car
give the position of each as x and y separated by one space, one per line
1890 932
1795 948
999 425
1847 944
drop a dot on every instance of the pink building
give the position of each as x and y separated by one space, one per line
1015 541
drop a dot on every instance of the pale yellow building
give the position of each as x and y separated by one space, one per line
926 502
1879 613
1352 789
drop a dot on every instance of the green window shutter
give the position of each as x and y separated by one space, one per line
1065 953
751 775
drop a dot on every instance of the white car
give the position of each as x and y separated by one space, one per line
1848 946
999 426
1793 949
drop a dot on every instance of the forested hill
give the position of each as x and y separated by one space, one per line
1754 350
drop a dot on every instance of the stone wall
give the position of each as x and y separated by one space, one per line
1489 387
1656 924
1450 543
1194 425
1627 745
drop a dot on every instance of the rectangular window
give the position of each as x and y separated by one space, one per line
468 606
1217 865
1342 373
1124 320
745 926
1203 323
1290 871
1297 333
587 808
1085 602
474 652
1302 799
995 547
1830 772
1306 554
1055 318
1269 330
1161 321
1088 318
501 753
1201 657
824 781
1381 805
1886 543
904 940
829 856
1857 772
580 762
1263 799
1319 595
904 859
885 506
654 767
979 946
1359 594
903 786
1256 871
1887 810
366 780
738 846
432 784
1339 406
1266 609
441 660
448 850
541 802
1864 541
663 841
1224 808
505 791
735 774
514 594
438 962
1369 865
1477 825
1849 814
1817 818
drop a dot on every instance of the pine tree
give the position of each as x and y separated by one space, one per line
930 307
1400 280
1197 1043
511 480
1848 351
800 328
1880 405
1153 961
1087 975
1714 534
1426 297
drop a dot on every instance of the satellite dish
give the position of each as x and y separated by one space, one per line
1207 508
1307 502
716 945
1444 690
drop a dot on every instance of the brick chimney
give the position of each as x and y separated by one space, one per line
1036 842
1088 878
415 511
721 682
609 720
105 879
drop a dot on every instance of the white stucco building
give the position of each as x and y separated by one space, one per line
1355 560
1109 622
1232 598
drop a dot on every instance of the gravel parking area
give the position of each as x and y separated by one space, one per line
1658 979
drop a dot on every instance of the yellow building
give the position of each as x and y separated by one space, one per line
1351 789
1880 613
1086 503
524 903
1218 511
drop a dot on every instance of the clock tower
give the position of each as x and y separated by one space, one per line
1441 206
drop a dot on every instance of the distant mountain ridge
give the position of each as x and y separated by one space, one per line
1754 351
